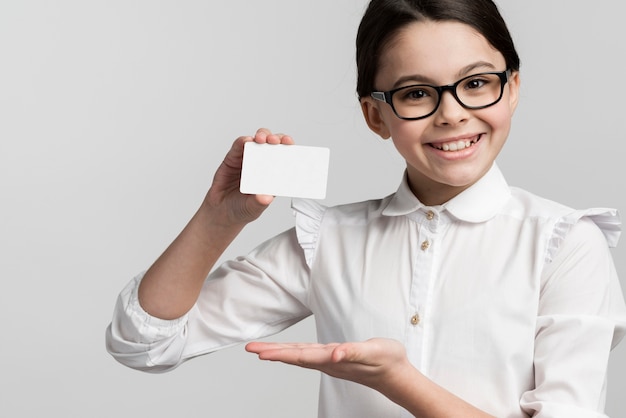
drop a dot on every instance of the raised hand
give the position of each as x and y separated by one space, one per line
172 284
224 195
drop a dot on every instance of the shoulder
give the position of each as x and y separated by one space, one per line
529 205
599 225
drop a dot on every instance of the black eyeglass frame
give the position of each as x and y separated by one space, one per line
386 96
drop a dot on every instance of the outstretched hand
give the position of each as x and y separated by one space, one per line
377 363
380 364
224 194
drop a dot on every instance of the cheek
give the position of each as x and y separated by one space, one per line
499 119
409 137
504 123
407 130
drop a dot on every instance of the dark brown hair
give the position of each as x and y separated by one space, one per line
385 18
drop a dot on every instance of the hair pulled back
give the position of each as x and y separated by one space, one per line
385 18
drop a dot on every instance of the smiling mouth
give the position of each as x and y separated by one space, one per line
456 145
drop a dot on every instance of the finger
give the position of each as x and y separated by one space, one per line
257 346
287 140
298 354
303 357
261 135
239 142
357 352
274 138
253 206
346 352
265 136
264 199
280 138
234 156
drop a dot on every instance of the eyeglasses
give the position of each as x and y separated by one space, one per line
419 101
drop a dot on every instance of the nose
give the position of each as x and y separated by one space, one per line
450 111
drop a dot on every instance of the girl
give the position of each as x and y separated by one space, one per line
455 296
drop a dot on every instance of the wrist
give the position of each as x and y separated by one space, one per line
233 210
215 226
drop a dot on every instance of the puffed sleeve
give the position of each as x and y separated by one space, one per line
309 215
244 299
581 317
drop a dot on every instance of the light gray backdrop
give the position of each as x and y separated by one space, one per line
115 114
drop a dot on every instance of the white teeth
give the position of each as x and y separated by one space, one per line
455 146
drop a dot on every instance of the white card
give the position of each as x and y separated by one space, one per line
285 170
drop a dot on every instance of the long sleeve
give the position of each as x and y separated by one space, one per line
247 298
581 317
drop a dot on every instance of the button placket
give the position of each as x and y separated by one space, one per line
431 226
425 243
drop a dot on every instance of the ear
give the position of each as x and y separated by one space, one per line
514 85
373 118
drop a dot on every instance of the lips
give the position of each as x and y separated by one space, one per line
456 145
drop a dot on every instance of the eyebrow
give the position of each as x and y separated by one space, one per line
418 78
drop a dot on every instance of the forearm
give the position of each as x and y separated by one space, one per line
425 399
172 284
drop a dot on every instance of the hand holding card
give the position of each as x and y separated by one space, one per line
285 170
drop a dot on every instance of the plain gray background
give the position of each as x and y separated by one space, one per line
115 114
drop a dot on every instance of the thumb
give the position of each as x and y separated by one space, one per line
263 200
345 352
254 205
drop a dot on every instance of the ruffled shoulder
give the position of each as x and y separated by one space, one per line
309 214
608 220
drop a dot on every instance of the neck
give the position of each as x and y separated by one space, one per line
430 192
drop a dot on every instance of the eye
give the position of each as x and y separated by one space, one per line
486 81
414 93
475 83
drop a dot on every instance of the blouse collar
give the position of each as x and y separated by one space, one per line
478 203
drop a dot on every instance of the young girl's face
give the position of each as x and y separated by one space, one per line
440 53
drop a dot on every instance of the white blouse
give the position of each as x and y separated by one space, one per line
508 300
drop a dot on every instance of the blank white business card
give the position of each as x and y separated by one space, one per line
285 170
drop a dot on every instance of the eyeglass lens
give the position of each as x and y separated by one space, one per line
476 91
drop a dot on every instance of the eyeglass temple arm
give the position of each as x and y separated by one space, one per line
379 95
